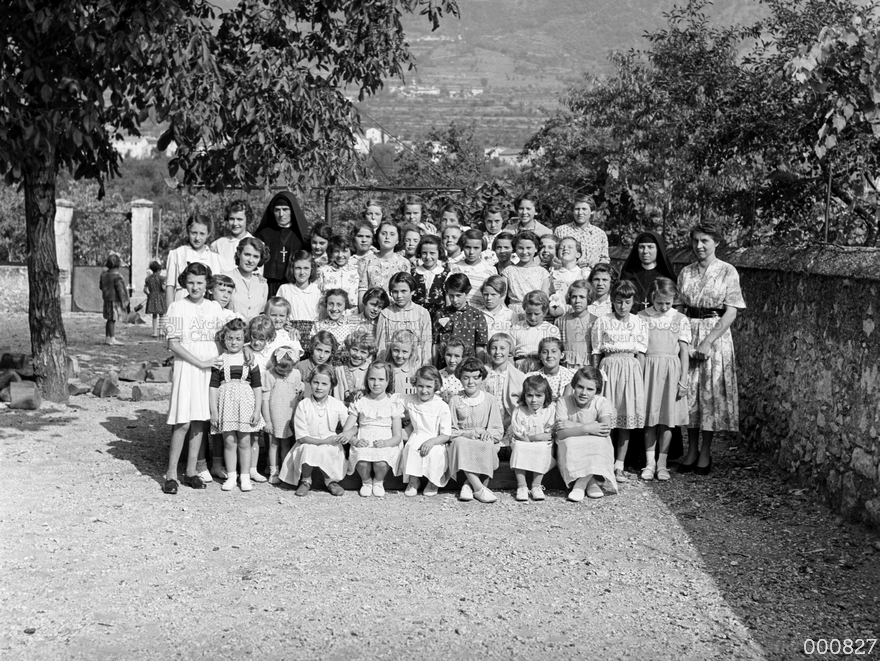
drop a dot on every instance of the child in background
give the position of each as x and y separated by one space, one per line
319 239
601 277
154 288
503 380
302 293
459 318
359 351
576 325
583 436
340 273
375 270
282 387
261 334
403 314
430 275
222 289
318 446
527 275
193 322
236 398
378 416
322 348
532 328
472 265
547 252
115 297
493 225
336 320
411 238
401 355
411 211
499 318
476 433
375 300
451 237
362 236
550 351
453 354
567 272
198 229
373 212
451 216
424 454
279 311
665 374
502 246
532 437
620 341
238 216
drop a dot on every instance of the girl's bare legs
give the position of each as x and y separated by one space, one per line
155 325
365 470
244 459
622 446
537 479
196 455
520 478
380 470
693 435
475 482
230 455
178 437
217 457
650 462
272 459
665 442
255 456
285 448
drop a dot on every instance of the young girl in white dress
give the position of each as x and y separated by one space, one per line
424 454
318 445
401 356
192 325
532 437
236 397
583 437
303 294
378 417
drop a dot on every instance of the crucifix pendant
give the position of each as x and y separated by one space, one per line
283 253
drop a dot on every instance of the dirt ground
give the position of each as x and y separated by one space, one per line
96 562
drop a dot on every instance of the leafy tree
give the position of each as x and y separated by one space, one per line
252 96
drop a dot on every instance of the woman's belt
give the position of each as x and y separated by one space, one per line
702 313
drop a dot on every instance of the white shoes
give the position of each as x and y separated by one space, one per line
538 492
485 495
273 477
378 489
576 495
663 475
466 492
594 490
229 484
522 494
430 490
411 490
256 477
366 489
647 474
246 483
206 476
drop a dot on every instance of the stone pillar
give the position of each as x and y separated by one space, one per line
141 252
64 251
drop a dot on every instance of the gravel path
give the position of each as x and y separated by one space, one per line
98 563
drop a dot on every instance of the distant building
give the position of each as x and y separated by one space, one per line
508 156
476 91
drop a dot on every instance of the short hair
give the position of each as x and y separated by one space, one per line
338 244
285 365
524 235
221 279
552 237
623 289
409 227
662 286
322 230
707 227
404 336
357 227
502 236
389 223
531 196
257 245
240 205
232 326
377 293
458 283
402 277
261 327
429 373
373 202
501 337
155 266
323 369
588 199
389 375
301 256
277 302
537 297
452 208
457 229
589 373
200 219
113 261
471 365
492 207
198 269
455 341
324 337
432 240
411 200
603 267
335 292
472 235
551 340
559 243
496 282
362 339
536 383
580 284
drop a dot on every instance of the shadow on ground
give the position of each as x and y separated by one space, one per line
142 441
774 551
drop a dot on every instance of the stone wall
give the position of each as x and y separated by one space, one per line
13 288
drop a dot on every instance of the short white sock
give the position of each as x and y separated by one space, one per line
661 461
650 462
618 465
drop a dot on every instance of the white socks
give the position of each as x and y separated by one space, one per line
650 462
618 465
661 461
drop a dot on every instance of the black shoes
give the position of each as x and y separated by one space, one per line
170 487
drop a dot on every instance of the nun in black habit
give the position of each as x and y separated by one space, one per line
646 261
283 229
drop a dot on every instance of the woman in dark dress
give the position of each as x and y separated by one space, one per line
646 261
283 229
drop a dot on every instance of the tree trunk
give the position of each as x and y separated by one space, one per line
48 340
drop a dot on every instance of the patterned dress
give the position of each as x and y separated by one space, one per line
468 324
155 286
713 399
430 290
236 404
618 341
536 456
558 382
522 280
376 272
575 331
477 275
374 420
593 240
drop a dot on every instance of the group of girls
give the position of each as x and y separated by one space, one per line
470 350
